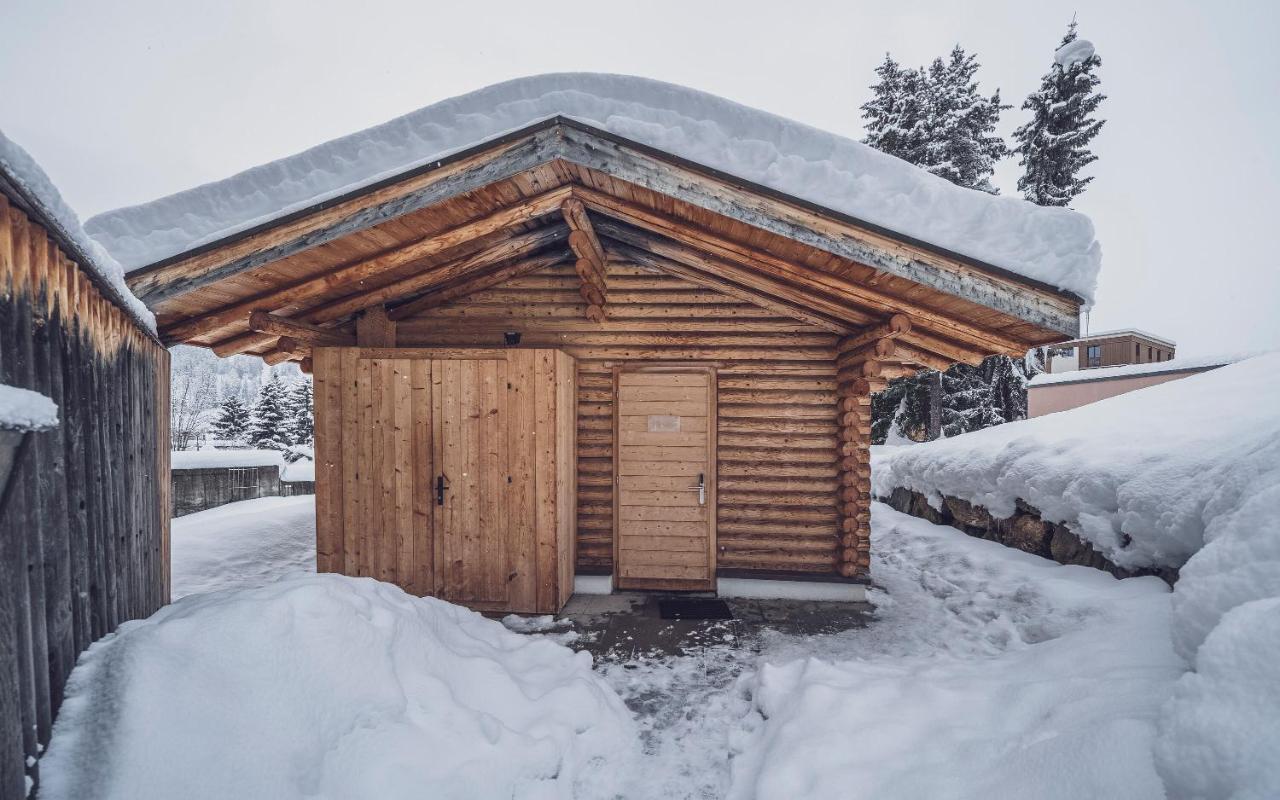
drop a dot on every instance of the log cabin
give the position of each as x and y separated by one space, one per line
581 332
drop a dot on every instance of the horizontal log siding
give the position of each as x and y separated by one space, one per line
84 539
777 403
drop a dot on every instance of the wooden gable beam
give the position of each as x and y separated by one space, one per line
818 305
513 249
275 325
308 289
374 328
591 264
762 298
471 285
868 297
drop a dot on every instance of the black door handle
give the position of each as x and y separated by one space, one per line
440 487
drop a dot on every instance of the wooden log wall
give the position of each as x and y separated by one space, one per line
777 459
84 534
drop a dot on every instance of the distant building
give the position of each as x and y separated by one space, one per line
1050 392
1109 349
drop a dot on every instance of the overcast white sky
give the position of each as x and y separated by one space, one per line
128 100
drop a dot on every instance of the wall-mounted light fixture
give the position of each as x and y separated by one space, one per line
511 338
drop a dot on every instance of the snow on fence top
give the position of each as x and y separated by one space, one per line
1146 477
213 459
25 410
20 169
1052 245
1133 370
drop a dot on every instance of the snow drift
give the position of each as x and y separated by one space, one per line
331 687
20 168
1053 245
243 545
988 673
1141 476
1184 474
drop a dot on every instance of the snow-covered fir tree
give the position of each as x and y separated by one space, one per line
895 114
1054 145
972 398
936 118
298 408
232 423
269 422
963 146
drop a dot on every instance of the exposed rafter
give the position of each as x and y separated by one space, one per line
300 292
873 300
470 284
591 266
515 248
272 324
762 297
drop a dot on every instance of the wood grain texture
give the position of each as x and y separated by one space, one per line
495 425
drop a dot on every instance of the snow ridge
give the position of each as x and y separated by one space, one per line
1052 245
20 168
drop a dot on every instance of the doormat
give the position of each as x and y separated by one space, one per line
694 608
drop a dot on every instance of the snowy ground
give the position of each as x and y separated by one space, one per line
986 673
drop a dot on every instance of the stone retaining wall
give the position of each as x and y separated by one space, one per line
1025 531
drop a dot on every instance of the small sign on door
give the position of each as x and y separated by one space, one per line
664 423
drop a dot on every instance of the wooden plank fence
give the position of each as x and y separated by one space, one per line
84 534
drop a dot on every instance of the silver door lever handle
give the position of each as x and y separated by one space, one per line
702 489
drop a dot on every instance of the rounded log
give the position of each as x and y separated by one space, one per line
848 570
900 323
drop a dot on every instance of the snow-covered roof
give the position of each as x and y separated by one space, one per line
21 172
1055 246
1134 370
25 410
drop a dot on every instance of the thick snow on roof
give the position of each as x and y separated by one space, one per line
27 176
25 410
1132 370
1053 245
1073 53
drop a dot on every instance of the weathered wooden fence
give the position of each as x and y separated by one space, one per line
84 533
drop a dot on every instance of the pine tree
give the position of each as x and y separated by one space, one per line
232 423
298 408
962 143
896 112
935 118
1054 146
973 398
268 424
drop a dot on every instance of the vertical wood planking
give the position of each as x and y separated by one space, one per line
83 537
423 477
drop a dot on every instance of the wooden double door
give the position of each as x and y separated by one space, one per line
449 473
665 466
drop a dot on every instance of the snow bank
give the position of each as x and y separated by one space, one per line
328 686
301 470
25 410
988 673
1184 474
1130 370
1073 53
1144 476
243 545
1053 245
211 459
21 169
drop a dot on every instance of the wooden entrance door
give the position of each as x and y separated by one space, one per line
665 467
471 485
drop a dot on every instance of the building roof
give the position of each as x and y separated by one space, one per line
1141 334
1052 246
25 184
1193 364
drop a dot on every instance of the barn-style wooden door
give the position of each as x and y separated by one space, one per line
665 467
471 485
